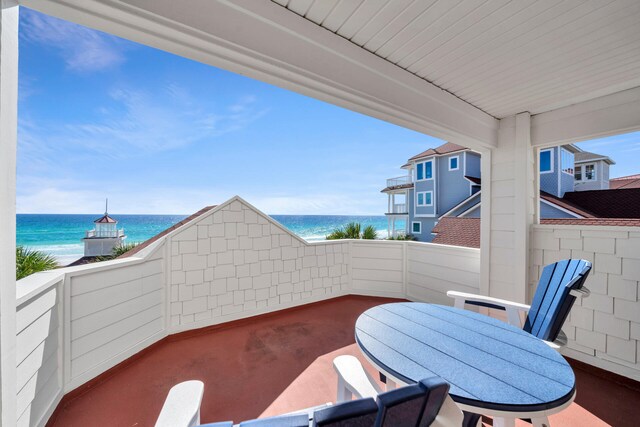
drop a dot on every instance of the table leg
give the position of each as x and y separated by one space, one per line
504 422
540 422
390 384
471 419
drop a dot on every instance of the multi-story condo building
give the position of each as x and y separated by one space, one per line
436 180
446 182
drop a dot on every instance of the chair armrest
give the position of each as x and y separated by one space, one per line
182 406
580 293
513 309
559 343
353 379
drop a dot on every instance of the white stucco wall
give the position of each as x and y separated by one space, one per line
603 329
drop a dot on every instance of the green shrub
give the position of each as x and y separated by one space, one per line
353 230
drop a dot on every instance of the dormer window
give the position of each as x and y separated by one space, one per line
454 163
546 161
424 170
586 172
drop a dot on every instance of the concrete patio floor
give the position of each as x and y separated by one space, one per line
281 362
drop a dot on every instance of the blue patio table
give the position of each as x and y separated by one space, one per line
493 368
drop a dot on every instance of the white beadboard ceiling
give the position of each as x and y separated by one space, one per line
502 56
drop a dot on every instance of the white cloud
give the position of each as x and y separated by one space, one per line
83 49
141 122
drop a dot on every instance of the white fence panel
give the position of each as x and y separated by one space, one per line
433 269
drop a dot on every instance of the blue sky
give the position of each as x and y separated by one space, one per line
103 117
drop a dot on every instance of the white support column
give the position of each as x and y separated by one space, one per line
510 211
485 222
8 143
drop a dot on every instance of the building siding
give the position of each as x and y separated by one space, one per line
473 164
547 211
452 186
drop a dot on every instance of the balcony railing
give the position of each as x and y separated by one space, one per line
399 180
109 233
399 208
71 315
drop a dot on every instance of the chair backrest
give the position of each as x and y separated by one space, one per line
553 300
401 407
291 420
220 424
415 405
436 390
355 413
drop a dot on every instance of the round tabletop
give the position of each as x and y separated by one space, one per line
488 363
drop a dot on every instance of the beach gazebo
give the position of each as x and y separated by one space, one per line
104 237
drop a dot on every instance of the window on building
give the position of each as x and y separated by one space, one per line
546 161
566 161
578 173
424 170
428 169
453 163
590 172
425 198
416 227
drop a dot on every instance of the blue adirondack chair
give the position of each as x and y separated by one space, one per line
559 285
416 405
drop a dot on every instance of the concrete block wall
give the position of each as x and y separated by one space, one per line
603 329
236 262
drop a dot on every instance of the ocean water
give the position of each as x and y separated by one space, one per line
60 235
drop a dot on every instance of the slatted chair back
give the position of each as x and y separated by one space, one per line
354 413
415 405
436 391
291 420
401 407
553 299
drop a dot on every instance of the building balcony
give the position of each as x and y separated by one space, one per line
232 298
399 181
398 209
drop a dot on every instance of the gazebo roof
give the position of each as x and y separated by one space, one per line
105 219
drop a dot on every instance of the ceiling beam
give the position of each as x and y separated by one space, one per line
265 41
600 117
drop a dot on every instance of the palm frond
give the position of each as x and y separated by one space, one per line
29 261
